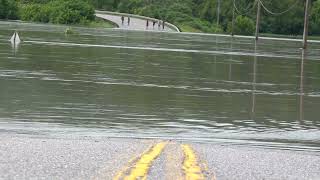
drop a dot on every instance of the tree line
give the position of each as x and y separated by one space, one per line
202 15
48 11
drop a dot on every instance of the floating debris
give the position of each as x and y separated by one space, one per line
70 31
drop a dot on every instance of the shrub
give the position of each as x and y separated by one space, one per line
59 11
315 18
203 26
35 12
242 25
8 9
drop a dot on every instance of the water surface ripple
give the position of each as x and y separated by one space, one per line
160 85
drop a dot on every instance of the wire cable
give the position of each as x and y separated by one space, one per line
247 10
278 13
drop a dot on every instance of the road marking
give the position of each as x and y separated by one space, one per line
142 165
126 168
191 168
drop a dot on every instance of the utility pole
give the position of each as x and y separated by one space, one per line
218 12
258 19
302 85
306 24
232 28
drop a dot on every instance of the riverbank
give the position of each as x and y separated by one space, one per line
65 157
100 23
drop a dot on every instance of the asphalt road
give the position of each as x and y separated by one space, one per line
39 157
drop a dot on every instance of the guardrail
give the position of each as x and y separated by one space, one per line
171 26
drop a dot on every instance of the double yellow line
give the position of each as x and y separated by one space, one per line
191 168
141 166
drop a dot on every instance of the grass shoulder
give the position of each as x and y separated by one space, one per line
99 23
310 37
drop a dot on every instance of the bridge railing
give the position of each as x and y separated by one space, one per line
171 26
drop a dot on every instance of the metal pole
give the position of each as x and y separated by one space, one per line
218 17
306 24
258 19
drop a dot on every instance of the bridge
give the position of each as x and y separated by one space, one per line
137 22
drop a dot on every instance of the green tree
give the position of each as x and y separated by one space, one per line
201 15
315 18
59 11
8 9
209 10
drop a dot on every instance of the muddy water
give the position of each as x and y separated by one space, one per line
159 85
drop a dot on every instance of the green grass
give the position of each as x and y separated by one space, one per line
187 28
100 23
311 37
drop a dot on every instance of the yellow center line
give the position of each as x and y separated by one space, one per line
126 168
191 168
142 166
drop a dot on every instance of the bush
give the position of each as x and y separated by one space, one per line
315 18
204 26
59 11
35 12
242 26
8 9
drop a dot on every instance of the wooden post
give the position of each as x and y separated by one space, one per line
258 19
306 24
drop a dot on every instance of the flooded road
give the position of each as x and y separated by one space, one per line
160 85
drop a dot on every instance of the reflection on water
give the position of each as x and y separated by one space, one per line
303 56
15 48
145 84
254 82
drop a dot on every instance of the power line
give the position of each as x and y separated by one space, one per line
278 13
247 10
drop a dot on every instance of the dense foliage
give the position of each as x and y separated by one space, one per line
201 15
58 11
242 25
8 9
53 11
315 18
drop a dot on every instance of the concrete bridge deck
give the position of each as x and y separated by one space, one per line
136 22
